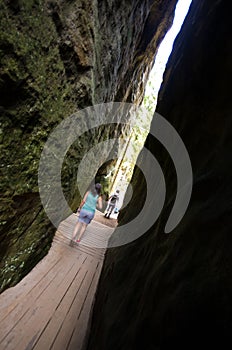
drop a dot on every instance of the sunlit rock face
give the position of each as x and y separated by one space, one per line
174 290
58 57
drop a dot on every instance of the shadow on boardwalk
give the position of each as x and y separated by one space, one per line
51 307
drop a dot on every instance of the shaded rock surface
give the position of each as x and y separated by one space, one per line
58 57
174 290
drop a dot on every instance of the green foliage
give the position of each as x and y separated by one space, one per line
150 98
33 71
35 96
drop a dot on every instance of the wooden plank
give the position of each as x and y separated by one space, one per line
13 294
22 308
51 332
94 240
80 331
14 326
48 329
17 308
66 331
50 308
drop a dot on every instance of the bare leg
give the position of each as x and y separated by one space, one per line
76 229
82 231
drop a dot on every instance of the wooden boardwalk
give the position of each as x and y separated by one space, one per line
51 307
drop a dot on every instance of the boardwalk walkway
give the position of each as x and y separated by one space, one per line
51 307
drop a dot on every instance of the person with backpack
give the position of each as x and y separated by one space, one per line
87 209
113 200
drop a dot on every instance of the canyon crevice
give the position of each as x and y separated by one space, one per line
174 290
58 57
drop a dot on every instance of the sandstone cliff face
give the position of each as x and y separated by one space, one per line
58 57
164 291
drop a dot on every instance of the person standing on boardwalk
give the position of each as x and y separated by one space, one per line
113 200
87 208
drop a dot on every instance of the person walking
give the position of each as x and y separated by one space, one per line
113 200
87 209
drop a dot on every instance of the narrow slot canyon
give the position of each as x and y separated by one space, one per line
89 62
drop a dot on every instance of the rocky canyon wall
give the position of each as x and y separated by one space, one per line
58 57
174 290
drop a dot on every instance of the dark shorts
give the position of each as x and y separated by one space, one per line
85 216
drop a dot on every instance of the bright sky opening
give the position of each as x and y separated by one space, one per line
124 174
156 75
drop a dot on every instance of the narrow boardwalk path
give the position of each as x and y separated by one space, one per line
51 307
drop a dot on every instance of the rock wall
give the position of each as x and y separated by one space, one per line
58 57
174 290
